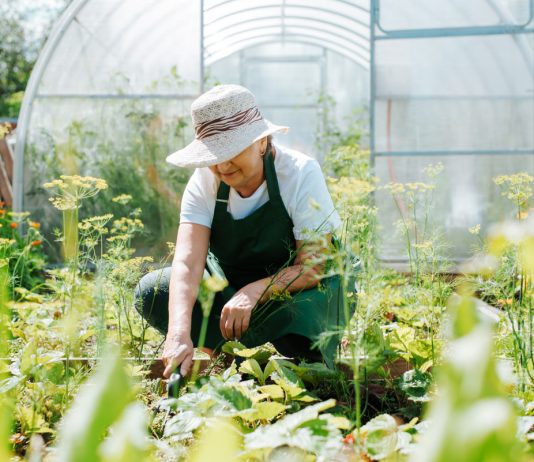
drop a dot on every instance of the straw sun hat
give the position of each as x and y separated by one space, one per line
226 120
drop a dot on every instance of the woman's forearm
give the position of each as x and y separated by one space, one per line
183 292
304 274
291 279
187 271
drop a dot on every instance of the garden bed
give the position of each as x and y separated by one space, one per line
419 376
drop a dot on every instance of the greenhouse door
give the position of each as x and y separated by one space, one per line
287 90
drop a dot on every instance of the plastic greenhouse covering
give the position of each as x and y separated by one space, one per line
439 81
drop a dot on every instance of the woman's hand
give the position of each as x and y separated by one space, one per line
235 315
178 349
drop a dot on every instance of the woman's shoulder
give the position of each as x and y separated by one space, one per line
203 182
290 161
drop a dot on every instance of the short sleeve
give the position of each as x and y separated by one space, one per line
314 211
198 200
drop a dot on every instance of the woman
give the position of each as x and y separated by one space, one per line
254 207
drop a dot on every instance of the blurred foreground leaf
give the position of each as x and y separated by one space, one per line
220 441
472 419
99 403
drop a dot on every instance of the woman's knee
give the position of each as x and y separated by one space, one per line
152 292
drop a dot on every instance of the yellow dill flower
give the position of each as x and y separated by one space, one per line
433 170
475 229
215 284
517 187
423 245
122 199
119 237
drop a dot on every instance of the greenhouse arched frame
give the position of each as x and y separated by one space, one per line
440 81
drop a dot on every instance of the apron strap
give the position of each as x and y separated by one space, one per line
221 204
270 176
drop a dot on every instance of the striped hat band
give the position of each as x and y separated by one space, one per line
223 124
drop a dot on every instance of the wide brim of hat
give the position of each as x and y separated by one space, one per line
223 146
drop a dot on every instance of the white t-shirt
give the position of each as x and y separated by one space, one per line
302 188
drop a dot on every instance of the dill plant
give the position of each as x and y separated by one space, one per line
414 201
71 191
513 242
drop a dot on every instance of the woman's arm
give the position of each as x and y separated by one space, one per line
303 274
306 271
187 270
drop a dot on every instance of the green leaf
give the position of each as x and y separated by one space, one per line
273 391
298 430
315 373
182 425
232 347
288 454
380 436
416 384
305 398
473 419
288 380
318 427
338 421
234 397
100 402
251 367
465 317
269 410
221 442
28 358
10 383
229 372
263 411
128 441
4 367
261 353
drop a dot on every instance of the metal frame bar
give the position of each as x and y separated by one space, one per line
453 31
305 18
289 106
372 84
202 66
384 98
293 59
346 2
113 96
288 5
431 33
284 33
452 152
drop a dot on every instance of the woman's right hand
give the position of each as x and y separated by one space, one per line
178 350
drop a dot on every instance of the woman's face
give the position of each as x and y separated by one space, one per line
244 172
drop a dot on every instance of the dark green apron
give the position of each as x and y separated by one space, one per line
257 246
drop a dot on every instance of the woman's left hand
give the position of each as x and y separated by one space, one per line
235 315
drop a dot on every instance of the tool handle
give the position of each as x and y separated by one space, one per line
173 385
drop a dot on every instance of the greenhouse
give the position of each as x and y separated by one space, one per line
456 90
420 114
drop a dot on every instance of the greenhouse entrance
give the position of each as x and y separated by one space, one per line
447 84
